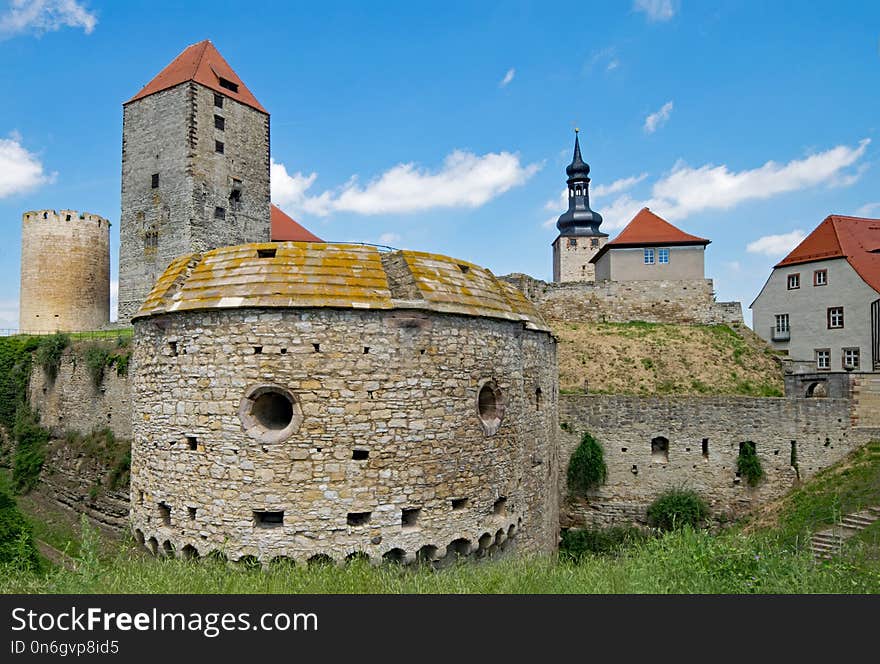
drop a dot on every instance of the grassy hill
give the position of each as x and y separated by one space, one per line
652 358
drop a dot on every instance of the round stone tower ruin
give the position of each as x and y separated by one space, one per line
65 271
322 401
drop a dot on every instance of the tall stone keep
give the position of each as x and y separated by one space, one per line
195 169
65 271
579 235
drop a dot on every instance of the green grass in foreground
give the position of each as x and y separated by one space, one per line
685 561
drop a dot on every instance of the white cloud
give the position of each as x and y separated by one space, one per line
114 299
776 245
606 56
40 16
508 77
8 314
868 209
389 239
20 170
464 180
656 120
656 10
617 186
686 190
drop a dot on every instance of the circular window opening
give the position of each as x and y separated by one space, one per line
270 413
490 407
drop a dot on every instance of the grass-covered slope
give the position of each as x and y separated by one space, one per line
652 358
769 555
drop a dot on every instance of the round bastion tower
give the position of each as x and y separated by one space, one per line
65 271
311 401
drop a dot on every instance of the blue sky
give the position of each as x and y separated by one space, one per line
447 127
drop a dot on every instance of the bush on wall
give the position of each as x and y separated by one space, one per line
586 468
677 508
748 464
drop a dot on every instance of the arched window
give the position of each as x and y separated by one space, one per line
660 449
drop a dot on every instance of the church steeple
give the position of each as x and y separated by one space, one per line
579 219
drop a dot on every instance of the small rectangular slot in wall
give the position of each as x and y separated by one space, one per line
358 518
500 506
705 448
192 513
459 503
366 349
165 513
173 346
141 497
360 455
284 351
266 519
154 183
409 517
192 442
258 350
317 347
266 253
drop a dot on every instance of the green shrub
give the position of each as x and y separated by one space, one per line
748 464
579 543
586 468
49 352
30 449
97 358
15 369
16 538
676 508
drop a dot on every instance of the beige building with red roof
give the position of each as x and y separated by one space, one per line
821 303
651 249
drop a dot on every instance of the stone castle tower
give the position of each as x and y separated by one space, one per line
579 235
65 271
195 169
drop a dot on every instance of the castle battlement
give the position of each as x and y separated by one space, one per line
64 216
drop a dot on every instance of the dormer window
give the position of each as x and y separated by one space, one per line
229 85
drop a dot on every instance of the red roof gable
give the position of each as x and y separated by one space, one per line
649 230
855 238
285 229
203 64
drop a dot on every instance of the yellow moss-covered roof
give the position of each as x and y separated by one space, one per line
313 274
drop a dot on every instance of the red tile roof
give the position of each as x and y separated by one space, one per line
855 238
649 230
285 229
203 64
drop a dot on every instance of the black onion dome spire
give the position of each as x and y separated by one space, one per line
578 168
579 219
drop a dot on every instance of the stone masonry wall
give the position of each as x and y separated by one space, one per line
389 430
65 271
822 430
72 402
685 302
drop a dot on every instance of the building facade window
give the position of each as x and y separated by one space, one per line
663 256
850 358
835 318
219 123
649 256
154 181
219 213
219 148
594 242
823 359
782 323
572 242
820 277
218 100
794 281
